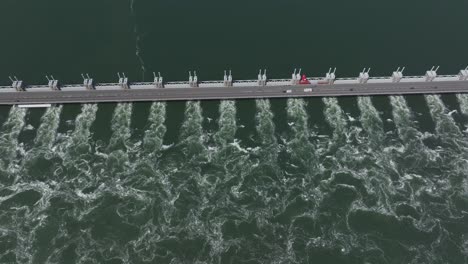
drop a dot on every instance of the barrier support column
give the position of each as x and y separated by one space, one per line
158 80
195 79
364 76
17 84
431 74
264 78
397 75
330 76
123 81
88 82
53 84
293 78
463 75
230 78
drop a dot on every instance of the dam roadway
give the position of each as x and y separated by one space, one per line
149 93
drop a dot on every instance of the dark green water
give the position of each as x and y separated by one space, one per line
347 180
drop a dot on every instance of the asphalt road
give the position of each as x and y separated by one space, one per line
170 94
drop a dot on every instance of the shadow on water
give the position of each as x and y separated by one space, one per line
139 124
101 127
4 110
32 123
68 117
317 122
421 113
174 119
279 109
382 104
349 105
210 112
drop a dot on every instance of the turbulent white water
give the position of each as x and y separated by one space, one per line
47 130
120 126
304 155
227 123
192 137
371 122
9 146
415 155
78 146
335 118
445 125
361 194
154 136
463 102
265 125
36 162
355 185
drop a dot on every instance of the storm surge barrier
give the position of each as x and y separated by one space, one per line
298 85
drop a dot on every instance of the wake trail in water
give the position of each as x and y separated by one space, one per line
78 142
192 136
117 154
151 173
77 149
185 168
195 183
299 147
185 187
120 127
259 179
403 119
154 136
363 167
137 40
47 130
463 102
227 123
265 183
346 143
266 130
228 159
34 180
432 180
113 189
445 125
371 121
44 151
378 149
9 142
342 183
335 117
383 176
453 147
226 170
415 155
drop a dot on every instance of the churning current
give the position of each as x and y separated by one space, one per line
348 180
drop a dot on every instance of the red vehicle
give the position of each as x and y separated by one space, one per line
304 80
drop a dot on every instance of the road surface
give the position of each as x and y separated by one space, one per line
215 93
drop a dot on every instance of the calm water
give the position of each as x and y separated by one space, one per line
323 180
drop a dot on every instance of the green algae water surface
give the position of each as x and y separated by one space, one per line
322 180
